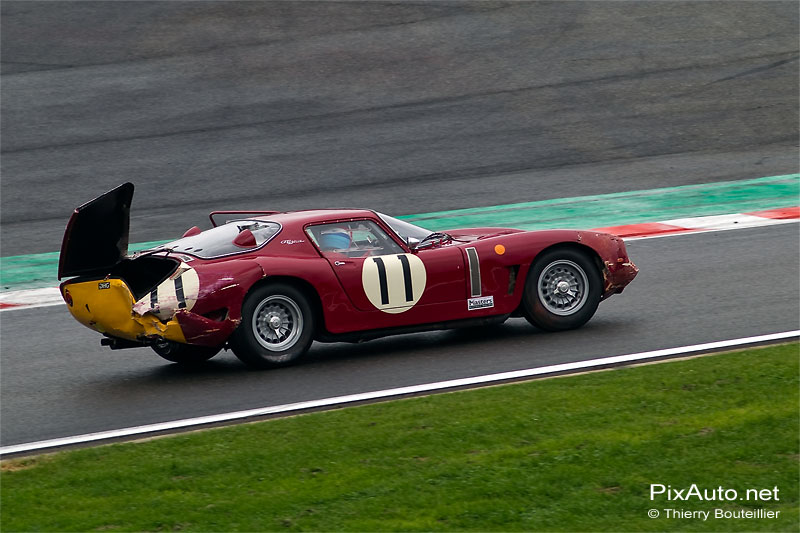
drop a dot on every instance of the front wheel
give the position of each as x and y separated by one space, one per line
277 327
184 354
562 291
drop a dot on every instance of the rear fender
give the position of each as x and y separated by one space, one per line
336 308
223 286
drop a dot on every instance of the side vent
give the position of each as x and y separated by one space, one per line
512 278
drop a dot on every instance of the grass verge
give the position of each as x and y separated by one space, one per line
574 453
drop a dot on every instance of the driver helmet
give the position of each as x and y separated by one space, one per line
335 239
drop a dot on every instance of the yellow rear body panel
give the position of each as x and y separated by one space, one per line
107 306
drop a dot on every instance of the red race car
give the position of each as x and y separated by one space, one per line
267 284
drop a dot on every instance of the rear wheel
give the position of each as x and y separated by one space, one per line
185 354
562 291
277 327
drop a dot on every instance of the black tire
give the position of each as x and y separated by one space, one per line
185 354
562 291
259 343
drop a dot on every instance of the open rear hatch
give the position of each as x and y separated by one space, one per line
96 237
96 245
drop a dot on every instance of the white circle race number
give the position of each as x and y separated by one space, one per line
179 291
393 283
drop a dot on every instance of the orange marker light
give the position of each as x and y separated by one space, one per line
499 249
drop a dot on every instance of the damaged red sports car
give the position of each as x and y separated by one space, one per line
266 284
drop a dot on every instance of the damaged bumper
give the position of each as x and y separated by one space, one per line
108 306
617 276
618 270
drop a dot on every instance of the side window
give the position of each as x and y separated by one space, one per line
358 238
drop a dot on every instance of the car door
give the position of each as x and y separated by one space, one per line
377 273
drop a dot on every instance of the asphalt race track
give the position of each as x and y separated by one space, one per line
691 289
406 108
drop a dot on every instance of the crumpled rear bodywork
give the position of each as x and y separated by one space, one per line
109 310
191 308
107 306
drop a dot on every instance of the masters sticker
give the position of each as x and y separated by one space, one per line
481 302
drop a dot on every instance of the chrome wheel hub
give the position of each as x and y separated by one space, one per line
277 323
563 287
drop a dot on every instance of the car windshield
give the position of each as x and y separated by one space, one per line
218 241
405 229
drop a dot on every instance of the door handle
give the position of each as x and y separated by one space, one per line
339 263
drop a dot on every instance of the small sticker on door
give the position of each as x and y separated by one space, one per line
482 302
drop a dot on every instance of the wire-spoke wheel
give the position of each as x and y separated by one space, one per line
562 290
277 327
278 322
562 287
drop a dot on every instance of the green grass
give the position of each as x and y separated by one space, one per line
573 453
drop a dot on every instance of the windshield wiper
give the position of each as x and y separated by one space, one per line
430 239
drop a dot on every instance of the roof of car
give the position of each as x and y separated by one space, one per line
317 216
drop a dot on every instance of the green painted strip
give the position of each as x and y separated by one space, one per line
616 209
28 271
19 272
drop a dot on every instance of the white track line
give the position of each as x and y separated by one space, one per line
735 221
26 299
711 228
389 393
